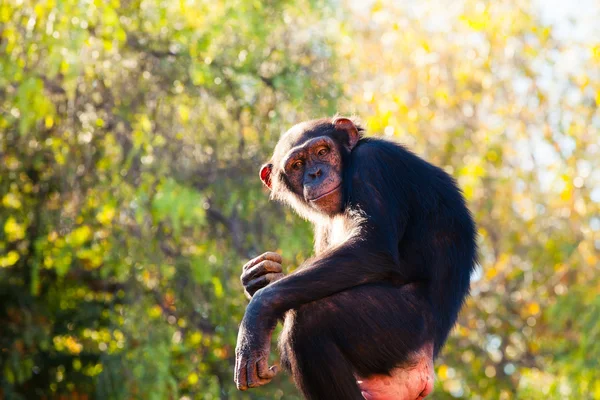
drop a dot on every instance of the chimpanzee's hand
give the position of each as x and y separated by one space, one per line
261 271
252 350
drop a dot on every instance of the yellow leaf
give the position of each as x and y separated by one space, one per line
49 121
195 338
11 200
11 162
48 262
442 371
477 22
377 6
596 52
193 378
184 113
106 216
14 231
491 273
218 286
155 312
9 259
72 345
567 194
79 236
533 308
441 94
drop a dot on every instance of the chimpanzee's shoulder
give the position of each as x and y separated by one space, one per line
380 151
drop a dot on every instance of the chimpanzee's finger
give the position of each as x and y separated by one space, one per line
269 255
252 371
262 281
256 284
262 268
264 372
241 381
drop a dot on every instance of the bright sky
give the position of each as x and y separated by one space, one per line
574 20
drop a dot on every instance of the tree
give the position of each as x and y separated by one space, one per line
130 138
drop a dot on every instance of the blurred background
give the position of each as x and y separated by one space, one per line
131 133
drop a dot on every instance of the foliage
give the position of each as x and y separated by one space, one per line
130 138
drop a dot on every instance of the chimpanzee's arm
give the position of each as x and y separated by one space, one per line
369 255
351 264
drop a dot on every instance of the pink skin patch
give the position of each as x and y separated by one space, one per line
412 383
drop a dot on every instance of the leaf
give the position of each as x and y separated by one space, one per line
9 259
14 231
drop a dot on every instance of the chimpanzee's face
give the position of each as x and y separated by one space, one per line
314 171
307 162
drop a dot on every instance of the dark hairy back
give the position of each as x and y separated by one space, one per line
439 227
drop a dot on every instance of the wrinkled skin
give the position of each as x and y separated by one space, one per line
256 371
252 369
314 171
411 383
260 271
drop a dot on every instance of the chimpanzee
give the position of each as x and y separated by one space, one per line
395 248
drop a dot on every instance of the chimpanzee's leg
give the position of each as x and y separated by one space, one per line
369 332
322 372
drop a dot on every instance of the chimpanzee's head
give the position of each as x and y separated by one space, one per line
307 164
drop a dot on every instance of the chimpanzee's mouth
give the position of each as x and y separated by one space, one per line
326 194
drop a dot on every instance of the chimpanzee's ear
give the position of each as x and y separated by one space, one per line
265 174
345 124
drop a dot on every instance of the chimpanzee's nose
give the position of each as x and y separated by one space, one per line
315 173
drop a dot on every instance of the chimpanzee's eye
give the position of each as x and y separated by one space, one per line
297 165
323 151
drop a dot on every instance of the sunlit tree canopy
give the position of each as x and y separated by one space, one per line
131 133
